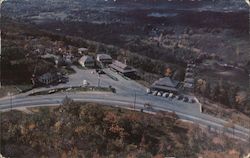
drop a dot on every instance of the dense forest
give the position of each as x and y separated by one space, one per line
90 130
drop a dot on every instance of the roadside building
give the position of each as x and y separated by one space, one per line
123 68
82 50
48 78
188 86
165 84
189 70
104 59
87 61
188 75
189 80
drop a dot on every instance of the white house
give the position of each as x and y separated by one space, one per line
82 50
87 61
104 59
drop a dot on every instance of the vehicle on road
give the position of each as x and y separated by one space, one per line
52 91
148 106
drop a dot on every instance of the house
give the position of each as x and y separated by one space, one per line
189 80
165 84
122 68
48 78
188 74
82 50
87 61
104 59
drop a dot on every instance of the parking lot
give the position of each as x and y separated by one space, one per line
126 88
171 96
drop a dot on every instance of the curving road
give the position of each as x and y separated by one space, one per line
183 112
128 93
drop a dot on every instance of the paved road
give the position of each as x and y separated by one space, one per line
123 101
125 97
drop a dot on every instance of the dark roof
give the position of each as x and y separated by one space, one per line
189 80
166 83
86 58
121 67
103 57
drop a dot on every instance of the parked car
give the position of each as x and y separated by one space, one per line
148 106
165 94
180 97
155 93
148 91
185 99
170 95
159 94
192 101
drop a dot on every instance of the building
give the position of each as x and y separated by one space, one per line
189 80
123 68
87 61
82 50
48 78
165 84
104 59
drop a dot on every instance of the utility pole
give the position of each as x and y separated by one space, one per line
10 95
98 80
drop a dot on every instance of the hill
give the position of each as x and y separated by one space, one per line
90 130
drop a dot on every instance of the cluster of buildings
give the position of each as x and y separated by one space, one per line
98 61
189 78
105 60
167 84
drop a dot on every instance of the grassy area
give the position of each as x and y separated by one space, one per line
75 89
4 90
90 130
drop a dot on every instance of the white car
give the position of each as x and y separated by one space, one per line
148 91
170 95
155 93
85 83
159 94
165 94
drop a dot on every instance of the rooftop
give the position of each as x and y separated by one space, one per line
121 67
166 82
103 57
86 58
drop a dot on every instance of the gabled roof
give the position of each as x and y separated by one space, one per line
103 57
189 80
82 49
166 82
86 58
121 67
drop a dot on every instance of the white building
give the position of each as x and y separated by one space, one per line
82 50
104 59
87 61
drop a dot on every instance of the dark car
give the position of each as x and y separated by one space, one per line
180 97
185 99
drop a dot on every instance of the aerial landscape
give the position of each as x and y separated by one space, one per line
125 78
